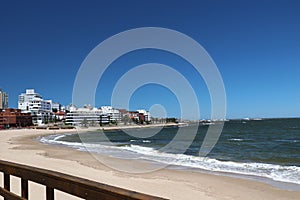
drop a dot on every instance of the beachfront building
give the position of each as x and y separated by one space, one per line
60 115
85 116
134 116
3 100
144 116
90 116
110 114
33 103
14 118
58 111
56 107
140 116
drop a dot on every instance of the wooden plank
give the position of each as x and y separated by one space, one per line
9 195
49 193
70 184
24 188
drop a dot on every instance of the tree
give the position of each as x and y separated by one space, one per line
125 119
93 123
85 122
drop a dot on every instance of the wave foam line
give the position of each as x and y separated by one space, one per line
290 174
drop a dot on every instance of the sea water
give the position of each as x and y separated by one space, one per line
267 148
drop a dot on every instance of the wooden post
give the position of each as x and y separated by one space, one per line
49 193
24 188
6 182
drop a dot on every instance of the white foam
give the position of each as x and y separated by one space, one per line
236 139
290 174
286 140
143 141
54 139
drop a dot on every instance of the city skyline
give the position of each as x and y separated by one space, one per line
255 46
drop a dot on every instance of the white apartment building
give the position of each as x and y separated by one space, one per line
86 116
56 106
3 100
40 109
113 114
89 116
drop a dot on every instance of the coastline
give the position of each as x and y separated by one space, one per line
21 146
106 128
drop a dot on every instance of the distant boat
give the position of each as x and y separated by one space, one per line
206 122
247 119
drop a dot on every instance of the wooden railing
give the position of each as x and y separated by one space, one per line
78 187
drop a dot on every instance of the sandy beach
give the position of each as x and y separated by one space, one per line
21 146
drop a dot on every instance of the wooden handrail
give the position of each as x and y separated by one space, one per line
76 186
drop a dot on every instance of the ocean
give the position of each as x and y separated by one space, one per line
264 148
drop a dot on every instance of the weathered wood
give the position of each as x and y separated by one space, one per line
7 181
24 188
49 193
76 186
9 195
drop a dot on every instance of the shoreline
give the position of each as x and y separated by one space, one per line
275 183
168 183
120 127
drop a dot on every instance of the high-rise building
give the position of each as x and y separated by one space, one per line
3 100
40 109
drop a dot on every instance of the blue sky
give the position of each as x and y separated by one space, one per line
255 44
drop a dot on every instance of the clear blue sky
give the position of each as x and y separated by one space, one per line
255 44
